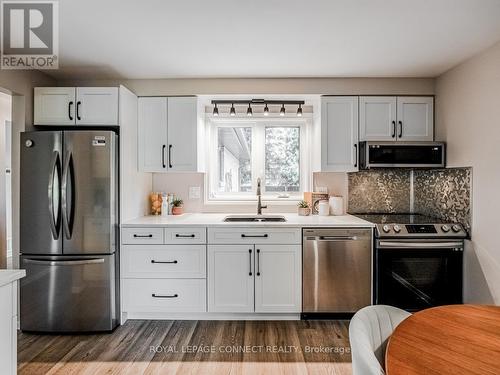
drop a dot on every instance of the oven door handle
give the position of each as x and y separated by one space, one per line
420 245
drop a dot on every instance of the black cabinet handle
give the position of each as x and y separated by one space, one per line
69 110
258 262
163 262
400 129
78 103
254 235
163 156
393 129
185 235
250 259
165 296
143 236
355 155
170 156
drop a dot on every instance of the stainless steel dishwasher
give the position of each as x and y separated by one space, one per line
337 270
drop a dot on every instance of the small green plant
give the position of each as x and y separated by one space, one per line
303 204
177 203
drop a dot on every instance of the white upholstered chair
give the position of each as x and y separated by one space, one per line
369 331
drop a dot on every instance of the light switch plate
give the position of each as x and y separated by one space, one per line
194 192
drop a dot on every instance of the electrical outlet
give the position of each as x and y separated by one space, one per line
194 192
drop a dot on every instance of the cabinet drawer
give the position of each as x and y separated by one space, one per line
164 261
236 235
186 235
153 236
164 295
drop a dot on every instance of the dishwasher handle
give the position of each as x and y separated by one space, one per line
332 238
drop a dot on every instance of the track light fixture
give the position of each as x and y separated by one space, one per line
299 111
258 102
266 110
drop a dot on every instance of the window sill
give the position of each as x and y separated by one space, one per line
252 202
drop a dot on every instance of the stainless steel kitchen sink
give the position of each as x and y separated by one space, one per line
254 219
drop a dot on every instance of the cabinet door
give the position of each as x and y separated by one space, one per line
377 118
278 278
152 123
339 134
97 106
54 106
231 278
415 118
182 134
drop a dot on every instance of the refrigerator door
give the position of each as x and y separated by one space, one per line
68 294
89 182
41 166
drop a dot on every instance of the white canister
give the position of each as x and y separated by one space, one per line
336 205
323 208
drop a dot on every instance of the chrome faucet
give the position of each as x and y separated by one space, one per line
259 203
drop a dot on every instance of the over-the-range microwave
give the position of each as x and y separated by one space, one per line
402 155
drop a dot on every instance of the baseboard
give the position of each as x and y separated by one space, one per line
210 316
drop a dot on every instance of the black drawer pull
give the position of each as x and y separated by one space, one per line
164 262
166 296
254 235
185 235
143 236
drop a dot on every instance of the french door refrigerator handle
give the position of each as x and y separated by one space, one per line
53 221
80 262
67 218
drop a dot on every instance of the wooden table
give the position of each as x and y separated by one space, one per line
457 339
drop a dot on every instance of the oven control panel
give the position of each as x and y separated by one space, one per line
451 230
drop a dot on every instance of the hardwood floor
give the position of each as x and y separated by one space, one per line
193 347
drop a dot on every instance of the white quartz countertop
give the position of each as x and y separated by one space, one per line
9 276
211 220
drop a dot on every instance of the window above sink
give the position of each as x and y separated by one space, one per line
240 150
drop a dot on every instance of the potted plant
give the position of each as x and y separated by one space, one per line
304 209
177 207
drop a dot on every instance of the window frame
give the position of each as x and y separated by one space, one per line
258 125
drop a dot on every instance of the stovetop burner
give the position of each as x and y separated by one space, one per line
412 226
390 218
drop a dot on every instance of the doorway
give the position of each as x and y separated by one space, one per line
5 180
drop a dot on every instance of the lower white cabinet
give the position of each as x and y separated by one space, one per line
278 278
231 278
8 328
164 295
160 261
254 278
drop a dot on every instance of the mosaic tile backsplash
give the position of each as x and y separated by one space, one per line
384 191
443 193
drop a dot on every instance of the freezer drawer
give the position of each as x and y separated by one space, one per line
68 294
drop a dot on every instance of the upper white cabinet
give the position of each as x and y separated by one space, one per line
152 114
76 106
391 118
97 106
339 133
167 134
54 106
377 118
182 130
415 118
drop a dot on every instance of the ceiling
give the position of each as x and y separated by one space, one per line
271 38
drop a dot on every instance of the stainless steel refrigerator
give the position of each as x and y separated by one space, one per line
69 226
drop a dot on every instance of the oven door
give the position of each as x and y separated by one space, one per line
414 275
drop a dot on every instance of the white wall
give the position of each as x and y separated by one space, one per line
5 115
468 119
